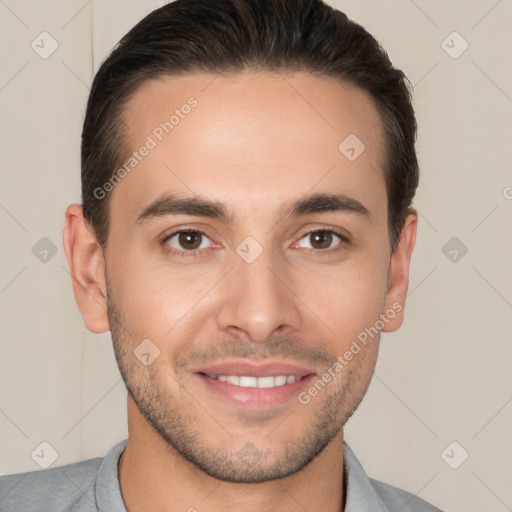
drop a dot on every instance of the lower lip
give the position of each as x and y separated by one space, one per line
256 398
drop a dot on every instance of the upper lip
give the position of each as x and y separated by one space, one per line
268 368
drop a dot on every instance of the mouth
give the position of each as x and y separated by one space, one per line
254 386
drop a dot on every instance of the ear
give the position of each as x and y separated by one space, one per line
399 273
87 268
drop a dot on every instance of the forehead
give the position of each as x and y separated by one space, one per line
260 136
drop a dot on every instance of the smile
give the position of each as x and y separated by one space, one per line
248 381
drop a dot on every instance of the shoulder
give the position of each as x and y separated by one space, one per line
371 495
61 488
398 499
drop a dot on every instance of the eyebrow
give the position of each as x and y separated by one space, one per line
318 203
315 203
172 205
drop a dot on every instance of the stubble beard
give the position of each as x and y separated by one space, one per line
175 424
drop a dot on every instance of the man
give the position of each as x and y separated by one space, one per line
245 233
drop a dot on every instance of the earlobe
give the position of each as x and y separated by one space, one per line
87 268
399 274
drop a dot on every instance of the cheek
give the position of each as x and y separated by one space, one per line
348 299
157 299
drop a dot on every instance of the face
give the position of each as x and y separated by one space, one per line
250 253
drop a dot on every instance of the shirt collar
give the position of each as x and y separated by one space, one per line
361 495
108 491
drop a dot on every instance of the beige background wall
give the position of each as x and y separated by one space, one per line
444 377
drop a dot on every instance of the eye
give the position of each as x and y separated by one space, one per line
321 239
187 241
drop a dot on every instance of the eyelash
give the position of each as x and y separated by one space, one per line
196 252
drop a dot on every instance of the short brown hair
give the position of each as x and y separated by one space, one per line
232 35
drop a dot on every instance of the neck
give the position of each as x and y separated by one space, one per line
153 476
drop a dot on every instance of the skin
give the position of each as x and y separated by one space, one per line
256 142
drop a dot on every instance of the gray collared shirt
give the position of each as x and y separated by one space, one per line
92 485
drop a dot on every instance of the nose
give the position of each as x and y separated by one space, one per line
258 300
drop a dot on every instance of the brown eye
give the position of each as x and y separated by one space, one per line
188 240
321 239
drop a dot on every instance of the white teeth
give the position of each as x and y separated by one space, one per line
267 382
280 380
246 381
